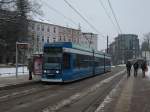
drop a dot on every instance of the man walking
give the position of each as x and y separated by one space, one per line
136 66
128 66
144 68
30 68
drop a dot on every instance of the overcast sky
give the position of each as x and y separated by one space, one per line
133 16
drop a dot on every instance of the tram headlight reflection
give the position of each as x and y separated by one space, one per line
44 71
57 71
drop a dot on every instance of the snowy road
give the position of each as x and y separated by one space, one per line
43 97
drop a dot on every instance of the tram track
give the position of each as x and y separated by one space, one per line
76 100
102 95
37 97
16 90
8 95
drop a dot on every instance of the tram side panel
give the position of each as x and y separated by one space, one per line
79 68
107 64
99 65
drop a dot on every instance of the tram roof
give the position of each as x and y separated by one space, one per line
72 45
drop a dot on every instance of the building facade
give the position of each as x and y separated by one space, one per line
125 47
42 33
146 55
90 39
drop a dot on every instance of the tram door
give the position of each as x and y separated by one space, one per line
66 61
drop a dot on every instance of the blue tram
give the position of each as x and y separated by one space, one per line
66 62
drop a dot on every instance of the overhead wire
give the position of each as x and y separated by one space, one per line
115 17
109 17
60 13
75 10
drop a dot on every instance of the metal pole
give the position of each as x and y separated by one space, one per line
148 50
93 62
107 43
23 61
104 64
16 60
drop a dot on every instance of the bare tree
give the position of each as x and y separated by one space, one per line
14 23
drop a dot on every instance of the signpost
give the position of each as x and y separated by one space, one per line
20 45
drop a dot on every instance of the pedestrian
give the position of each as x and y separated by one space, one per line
30 68
135 66
128 67
144 68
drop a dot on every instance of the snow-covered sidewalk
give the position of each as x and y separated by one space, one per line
11 71
8 77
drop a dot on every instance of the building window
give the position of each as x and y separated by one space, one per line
32 26
60 38
48 30
37 42
54 39
43 39
54 30
42 27
32 36
47 40
38 27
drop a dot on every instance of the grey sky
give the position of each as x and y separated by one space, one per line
133 16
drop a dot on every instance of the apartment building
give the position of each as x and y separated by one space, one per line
125 47
42 33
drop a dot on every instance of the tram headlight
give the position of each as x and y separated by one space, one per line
44 71
57 71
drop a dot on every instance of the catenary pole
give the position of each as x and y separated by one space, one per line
16 60
107 42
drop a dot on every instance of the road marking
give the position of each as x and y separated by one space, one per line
80 94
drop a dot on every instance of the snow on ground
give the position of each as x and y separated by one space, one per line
113 66
6 72
121 65
148 72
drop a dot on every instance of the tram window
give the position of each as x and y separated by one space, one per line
83 61
66 61
107 62
77 61
101 61
53 60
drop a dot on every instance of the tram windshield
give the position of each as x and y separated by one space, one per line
52 58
